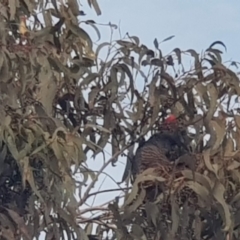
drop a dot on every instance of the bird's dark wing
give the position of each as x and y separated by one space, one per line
155 153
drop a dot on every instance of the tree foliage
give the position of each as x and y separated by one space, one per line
60 102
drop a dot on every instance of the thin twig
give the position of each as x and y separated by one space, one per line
94 209
108 190
85 196
94 198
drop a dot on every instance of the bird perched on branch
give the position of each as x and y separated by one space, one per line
161 149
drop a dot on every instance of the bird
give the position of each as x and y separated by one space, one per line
161 150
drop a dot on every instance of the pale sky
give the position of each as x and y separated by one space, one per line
195 24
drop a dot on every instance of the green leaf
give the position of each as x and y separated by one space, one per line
87 80
168 38
94 3
100 46
126 44
135 39
92 24
82 34
155 42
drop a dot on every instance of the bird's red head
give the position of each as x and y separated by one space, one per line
170 123
170 119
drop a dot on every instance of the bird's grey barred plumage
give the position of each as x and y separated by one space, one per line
159 151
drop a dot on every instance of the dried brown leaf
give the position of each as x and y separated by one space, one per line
228 147
138 232
178 53
218 193
126 44
137 202
73 5
195 176
89 228
174 214
152 212
152 87
211 167
126 69
4 71
20 223
28 176
200 190
220 133
213 101
86 40
87 80
47 18
13 7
